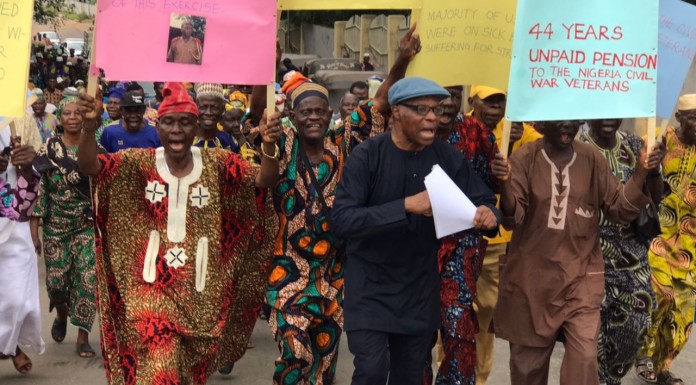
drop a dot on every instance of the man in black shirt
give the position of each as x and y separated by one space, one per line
392 286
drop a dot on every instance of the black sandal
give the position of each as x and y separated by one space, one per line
58 330
227 369
667 378
22 362
84 350
645 370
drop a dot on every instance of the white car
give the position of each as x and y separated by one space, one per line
75 43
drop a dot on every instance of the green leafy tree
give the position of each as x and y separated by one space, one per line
49 11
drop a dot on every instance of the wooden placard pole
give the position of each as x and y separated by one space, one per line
651 129
270 89
663 128
505 143
13 122
93 79
13 130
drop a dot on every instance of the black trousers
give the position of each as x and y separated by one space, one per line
379 355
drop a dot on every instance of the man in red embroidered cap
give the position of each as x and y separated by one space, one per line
184 245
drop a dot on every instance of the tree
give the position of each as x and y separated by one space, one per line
48 11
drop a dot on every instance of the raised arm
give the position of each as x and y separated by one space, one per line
409 46
87 148
270 133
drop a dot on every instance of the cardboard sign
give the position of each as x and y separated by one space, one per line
676 49
186 40
584 60
298 5
465 42
15 50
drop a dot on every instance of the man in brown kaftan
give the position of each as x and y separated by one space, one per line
552 280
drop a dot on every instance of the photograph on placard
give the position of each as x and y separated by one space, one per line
186 39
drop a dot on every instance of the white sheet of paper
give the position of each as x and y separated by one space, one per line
452 210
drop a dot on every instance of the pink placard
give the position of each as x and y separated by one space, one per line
219 41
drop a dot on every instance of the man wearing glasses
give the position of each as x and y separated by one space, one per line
392 285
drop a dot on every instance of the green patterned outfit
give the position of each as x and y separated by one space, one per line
68 232
628 295
305 286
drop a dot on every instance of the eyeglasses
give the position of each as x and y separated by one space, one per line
424 110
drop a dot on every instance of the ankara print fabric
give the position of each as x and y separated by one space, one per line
65 209
364 123
181 264
306 277
17 203
672 258
628 296
305 287
460 260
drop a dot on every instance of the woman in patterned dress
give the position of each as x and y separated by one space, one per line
672 253
305 287
628 296
65 208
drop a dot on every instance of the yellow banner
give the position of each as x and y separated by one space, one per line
316 5
15 48
465 42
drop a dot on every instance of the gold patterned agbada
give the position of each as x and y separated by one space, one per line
181 264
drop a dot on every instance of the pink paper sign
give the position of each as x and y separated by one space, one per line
219 41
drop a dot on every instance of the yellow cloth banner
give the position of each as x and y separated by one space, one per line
15 48
304 5
465 42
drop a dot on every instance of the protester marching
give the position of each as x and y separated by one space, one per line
521 171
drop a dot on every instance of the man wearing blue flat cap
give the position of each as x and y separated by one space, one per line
392 285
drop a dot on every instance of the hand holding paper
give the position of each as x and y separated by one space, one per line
452 210
419 204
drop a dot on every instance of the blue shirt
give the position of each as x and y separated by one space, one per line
116 138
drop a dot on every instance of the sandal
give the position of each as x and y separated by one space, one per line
645 370
58 330
84 350
227 369
667 378
21 362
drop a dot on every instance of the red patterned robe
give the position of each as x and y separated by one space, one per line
181 265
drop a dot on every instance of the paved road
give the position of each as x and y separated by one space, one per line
60 365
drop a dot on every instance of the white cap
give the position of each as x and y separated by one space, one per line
59 79
687 102
59 59
367 54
